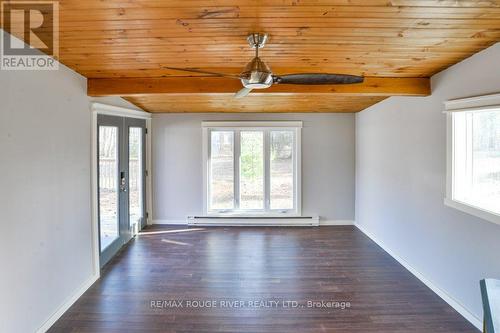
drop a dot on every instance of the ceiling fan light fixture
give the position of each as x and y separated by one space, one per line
257 75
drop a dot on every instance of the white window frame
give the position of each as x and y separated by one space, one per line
471 104
266 126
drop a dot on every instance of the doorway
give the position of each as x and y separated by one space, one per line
121 173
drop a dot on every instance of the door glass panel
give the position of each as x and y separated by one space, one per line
252 170
135 176
221 170
108 185
281 169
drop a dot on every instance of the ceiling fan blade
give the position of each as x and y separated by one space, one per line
242 93
317 78
194 70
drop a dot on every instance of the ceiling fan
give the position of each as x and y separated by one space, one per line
257 75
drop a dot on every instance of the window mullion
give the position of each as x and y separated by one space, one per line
469 152
208 175
236 161
267 172
295 180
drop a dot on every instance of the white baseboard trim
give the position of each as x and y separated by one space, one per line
172 222
335 222
478 323
67 304
321 222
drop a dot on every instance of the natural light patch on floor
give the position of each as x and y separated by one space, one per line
170 231
174 242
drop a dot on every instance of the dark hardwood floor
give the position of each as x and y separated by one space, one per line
253 267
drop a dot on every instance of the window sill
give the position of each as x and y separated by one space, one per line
472 210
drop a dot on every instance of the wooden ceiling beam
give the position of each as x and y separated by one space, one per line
372 86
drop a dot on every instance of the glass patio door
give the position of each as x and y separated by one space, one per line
121 179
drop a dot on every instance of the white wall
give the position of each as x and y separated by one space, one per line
45 210
327 163
401 182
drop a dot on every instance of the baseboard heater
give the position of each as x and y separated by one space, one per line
289 221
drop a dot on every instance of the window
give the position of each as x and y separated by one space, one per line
222 170
252 168
474 161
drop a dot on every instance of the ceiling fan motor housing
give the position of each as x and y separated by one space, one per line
257 75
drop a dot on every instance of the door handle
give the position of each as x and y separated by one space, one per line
123 182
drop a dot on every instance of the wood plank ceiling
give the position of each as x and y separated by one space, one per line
116 39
